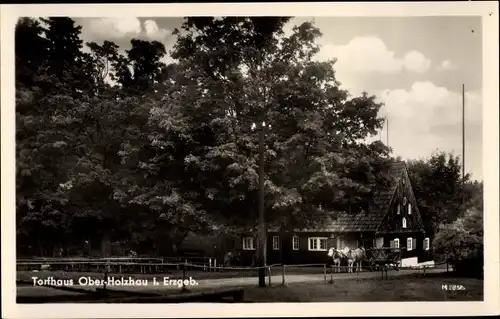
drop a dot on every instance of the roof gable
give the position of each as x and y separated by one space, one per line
407 191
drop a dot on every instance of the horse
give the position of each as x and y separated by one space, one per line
355 256
337 257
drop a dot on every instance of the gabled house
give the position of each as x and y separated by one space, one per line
393 220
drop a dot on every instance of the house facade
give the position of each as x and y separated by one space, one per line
393 220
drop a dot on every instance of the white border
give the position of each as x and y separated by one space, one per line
9 14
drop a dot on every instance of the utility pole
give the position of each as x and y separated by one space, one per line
463 145
463 133
387 119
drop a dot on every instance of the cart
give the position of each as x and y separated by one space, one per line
380 258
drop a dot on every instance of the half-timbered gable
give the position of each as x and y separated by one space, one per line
402 214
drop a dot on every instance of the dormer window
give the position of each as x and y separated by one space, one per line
404 222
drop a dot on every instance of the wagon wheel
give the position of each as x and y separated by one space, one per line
396 264
372 264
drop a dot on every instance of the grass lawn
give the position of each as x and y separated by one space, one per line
371 290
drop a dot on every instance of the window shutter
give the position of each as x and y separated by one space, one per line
391 244
414 245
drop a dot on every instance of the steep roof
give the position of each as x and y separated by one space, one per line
366 221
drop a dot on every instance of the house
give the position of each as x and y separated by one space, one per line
393 220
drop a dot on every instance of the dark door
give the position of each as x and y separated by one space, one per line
367 243
286 249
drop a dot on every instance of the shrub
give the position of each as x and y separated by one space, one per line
462 243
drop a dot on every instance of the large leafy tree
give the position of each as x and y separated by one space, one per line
441 192
41 149
237 72
71 127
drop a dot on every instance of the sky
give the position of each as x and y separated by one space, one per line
414 65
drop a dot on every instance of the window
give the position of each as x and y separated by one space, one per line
340 242
396 243
317 243
404 222
276 243
248 243
295 242
399 209
409 209
426 243
409 243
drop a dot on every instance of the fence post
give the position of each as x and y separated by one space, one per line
106 269
184 289
283 274
269 270
324 271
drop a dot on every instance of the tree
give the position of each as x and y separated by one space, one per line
462 242
42 151
65 58
30 50
238 71
442 195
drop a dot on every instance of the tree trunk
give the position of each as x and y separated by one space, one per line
105 245
40 248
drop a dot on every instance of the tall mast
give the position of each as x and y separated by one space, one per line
387 119
463 133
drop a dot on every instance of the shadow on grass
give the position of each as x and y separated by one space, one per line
397 289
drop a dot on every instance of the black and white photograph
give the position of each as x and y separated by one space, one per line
199 159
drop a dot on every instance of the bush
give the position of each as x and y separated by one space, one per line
462 243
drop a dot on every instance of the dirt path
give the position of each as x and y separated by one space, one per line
252 281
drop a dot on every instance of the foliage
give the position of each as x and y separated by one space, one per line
254 74
122 148
442 195
462 242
